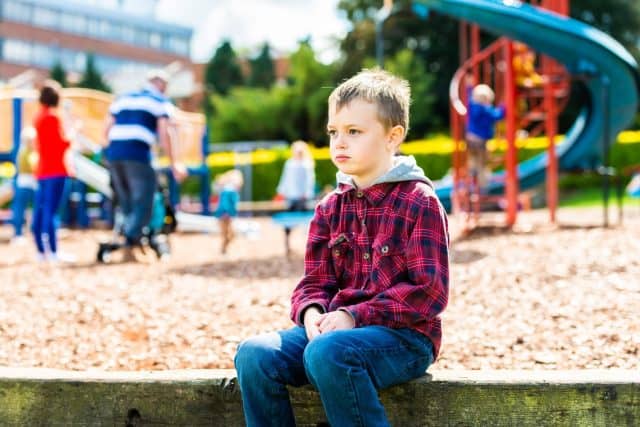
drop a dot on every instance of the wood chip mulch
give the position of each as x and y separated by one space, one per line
535 297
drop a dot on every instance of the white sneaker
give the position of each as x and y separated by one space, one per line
62 257
19 241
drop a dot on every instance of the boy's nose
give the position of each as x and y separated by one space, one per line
339 141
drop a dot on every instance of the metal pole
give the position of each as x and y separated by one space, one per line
381 16
552 165
379 44
605 150
511 166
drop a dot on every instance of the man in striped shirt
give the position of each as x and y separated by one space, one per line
138 121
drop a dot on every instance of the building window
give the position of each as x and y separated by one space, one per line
45 17
179 45
155 40
73 23
93 27
16 51
16 10
128 34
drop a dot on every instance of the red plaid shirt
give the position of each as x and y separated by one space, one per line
382 254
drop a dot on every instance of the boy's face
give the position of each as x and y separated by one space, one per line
359 143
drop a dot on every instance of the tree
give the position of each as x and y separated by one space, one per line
618 18
433 42
223 70
58 74
262 70
310 85
91 78
407 65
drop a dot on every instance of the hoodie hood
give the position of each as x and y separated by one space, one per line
404 169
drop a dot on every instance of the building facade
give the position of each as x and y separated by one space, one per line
124 37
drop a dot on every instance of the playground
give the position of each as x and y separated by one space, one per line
537 297
531 290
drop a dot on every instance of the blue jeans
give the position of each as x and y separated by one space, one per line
48 198
346 367
135 185
24 196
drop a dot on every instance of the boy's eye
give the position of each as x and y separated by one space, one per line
331 133
353 131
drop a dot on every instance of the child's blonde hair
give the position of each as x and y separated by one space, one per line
302 148
391 94
482 94
231 177
27 135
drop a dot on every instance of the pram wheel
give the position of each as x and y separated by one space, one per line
104 254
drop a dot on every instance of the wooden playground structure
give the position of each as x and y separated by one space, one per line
84 112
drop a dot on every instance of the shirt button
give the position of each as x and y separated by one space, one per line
359 194
366 255
384 249
336 252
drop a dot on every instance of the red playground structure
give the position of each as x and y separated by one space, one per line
533 91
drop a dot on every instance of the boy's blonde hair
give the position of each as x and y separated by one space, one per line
482 94
391 94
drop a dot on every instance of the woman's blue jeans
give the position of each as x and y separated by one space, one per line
346 367
48 197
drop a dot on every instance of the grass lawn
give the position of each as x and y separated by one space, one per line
589 197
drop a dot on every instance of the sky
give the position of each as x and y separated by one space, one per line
248 23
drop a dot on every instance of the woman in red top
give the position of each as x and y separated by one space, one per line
50 172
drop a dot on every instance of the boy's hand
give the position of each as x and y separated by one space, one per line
312 317
336 320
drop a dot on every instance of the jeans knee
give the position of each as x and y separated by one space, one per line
323 359
253 358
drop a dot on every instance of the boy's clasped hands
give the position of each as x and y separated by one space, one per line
317 323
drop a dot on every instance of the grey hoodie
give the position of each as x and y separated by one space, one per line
404 168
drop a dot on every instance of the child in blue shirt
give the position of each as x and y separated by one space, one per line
482 119
228 186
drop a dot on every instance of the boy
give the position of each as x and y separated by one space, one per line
376 273
480 128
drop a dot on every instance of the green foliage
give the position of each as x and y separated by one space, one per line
618 18
295 111
249 114
223 70
58 74
408 66
92 79
263 73
310 86
434 43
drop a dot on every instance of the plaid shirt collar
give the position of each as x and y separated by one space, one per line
374 194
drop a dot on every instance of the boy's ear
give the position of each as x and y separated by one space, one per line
395 137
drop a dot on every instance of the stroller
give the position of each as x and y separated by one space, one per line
155 234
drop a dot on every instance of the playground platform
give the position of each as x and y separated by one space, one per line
212 398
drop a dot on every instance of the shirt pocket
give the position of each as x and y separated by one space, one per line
341 248
389 261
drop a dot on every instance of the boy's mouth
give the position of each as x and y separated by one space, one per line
342 158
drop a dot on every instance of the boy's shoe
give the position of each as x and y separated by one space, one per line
61 257
19 241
